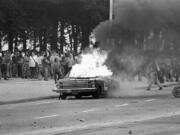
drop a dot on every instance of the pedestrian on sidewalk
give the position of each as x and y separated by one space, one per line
40 66
46 64
4 66
57 70
0 65
33 64
25 72
20 64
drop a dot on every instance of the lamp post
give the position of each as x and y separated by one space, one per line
110 19
110 10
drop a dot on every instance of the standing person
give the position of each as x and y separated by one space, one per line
8 62
14 64
20 64
4 66
52 59
70 62
32 65
46 63
65 62
63 65
40 66
26 66
153 76
57 70
0 65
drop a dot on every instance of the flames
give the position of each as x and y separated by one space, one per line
91 65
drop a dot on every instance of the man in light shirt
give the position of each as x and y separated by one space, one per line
32 64
40 66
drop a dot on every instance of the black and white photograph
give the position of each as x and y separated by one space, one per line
89 67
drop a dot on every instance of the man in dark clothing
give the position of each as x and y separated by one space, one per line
20 65
56 70
153 76
46 63
4 66
0 65
14 65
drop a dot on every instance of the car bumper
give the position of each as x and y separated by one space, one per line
74 90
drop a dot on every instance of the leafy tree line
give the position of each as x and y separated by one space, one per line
55 22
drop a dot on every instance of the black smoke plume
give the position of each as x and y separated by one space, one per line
142 31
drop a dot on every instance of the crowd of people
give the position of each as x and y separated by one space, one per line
35 65
45 65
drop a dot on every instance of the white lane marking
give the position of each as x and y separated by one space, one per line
50 116
96 125
41 103
90 110
122 105
150 100
12 106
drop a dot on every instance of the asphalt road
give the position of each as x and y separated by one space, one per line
151 115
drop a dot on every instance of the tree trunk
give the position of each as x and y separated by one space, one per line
40 41
85 37
75 32
44 46
71 37
24 43
10 41
54 36
16 42
62 40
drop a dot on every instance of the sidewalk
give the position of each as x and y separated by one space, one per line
24 90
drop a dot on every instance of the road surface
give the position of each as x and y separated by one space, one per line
149 115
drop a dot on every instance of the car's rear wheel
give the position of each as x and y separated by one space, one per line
97 93
176 92
63 96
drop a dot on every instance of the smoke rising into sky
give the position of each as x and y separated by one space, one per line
142 30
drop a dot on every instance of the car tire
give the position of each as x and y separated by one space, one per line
176 92
97 93
63 96
78 96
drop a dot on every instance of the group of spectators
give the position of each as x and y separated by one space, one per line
45 65
35 65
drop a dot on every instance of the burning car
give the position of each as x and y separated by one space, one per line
87 86
89 77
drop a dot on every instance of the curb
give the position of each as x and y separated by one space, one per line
27 100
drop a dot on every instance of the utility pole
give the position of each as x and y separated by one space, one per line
110 10
110 19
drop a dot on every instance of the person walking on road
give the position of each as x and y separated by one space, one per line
153 76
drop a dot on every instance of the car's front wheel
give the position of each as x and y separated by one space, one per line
78 96
63 96
176 92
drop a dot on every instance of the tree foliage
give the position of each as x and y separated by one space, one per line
49 21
